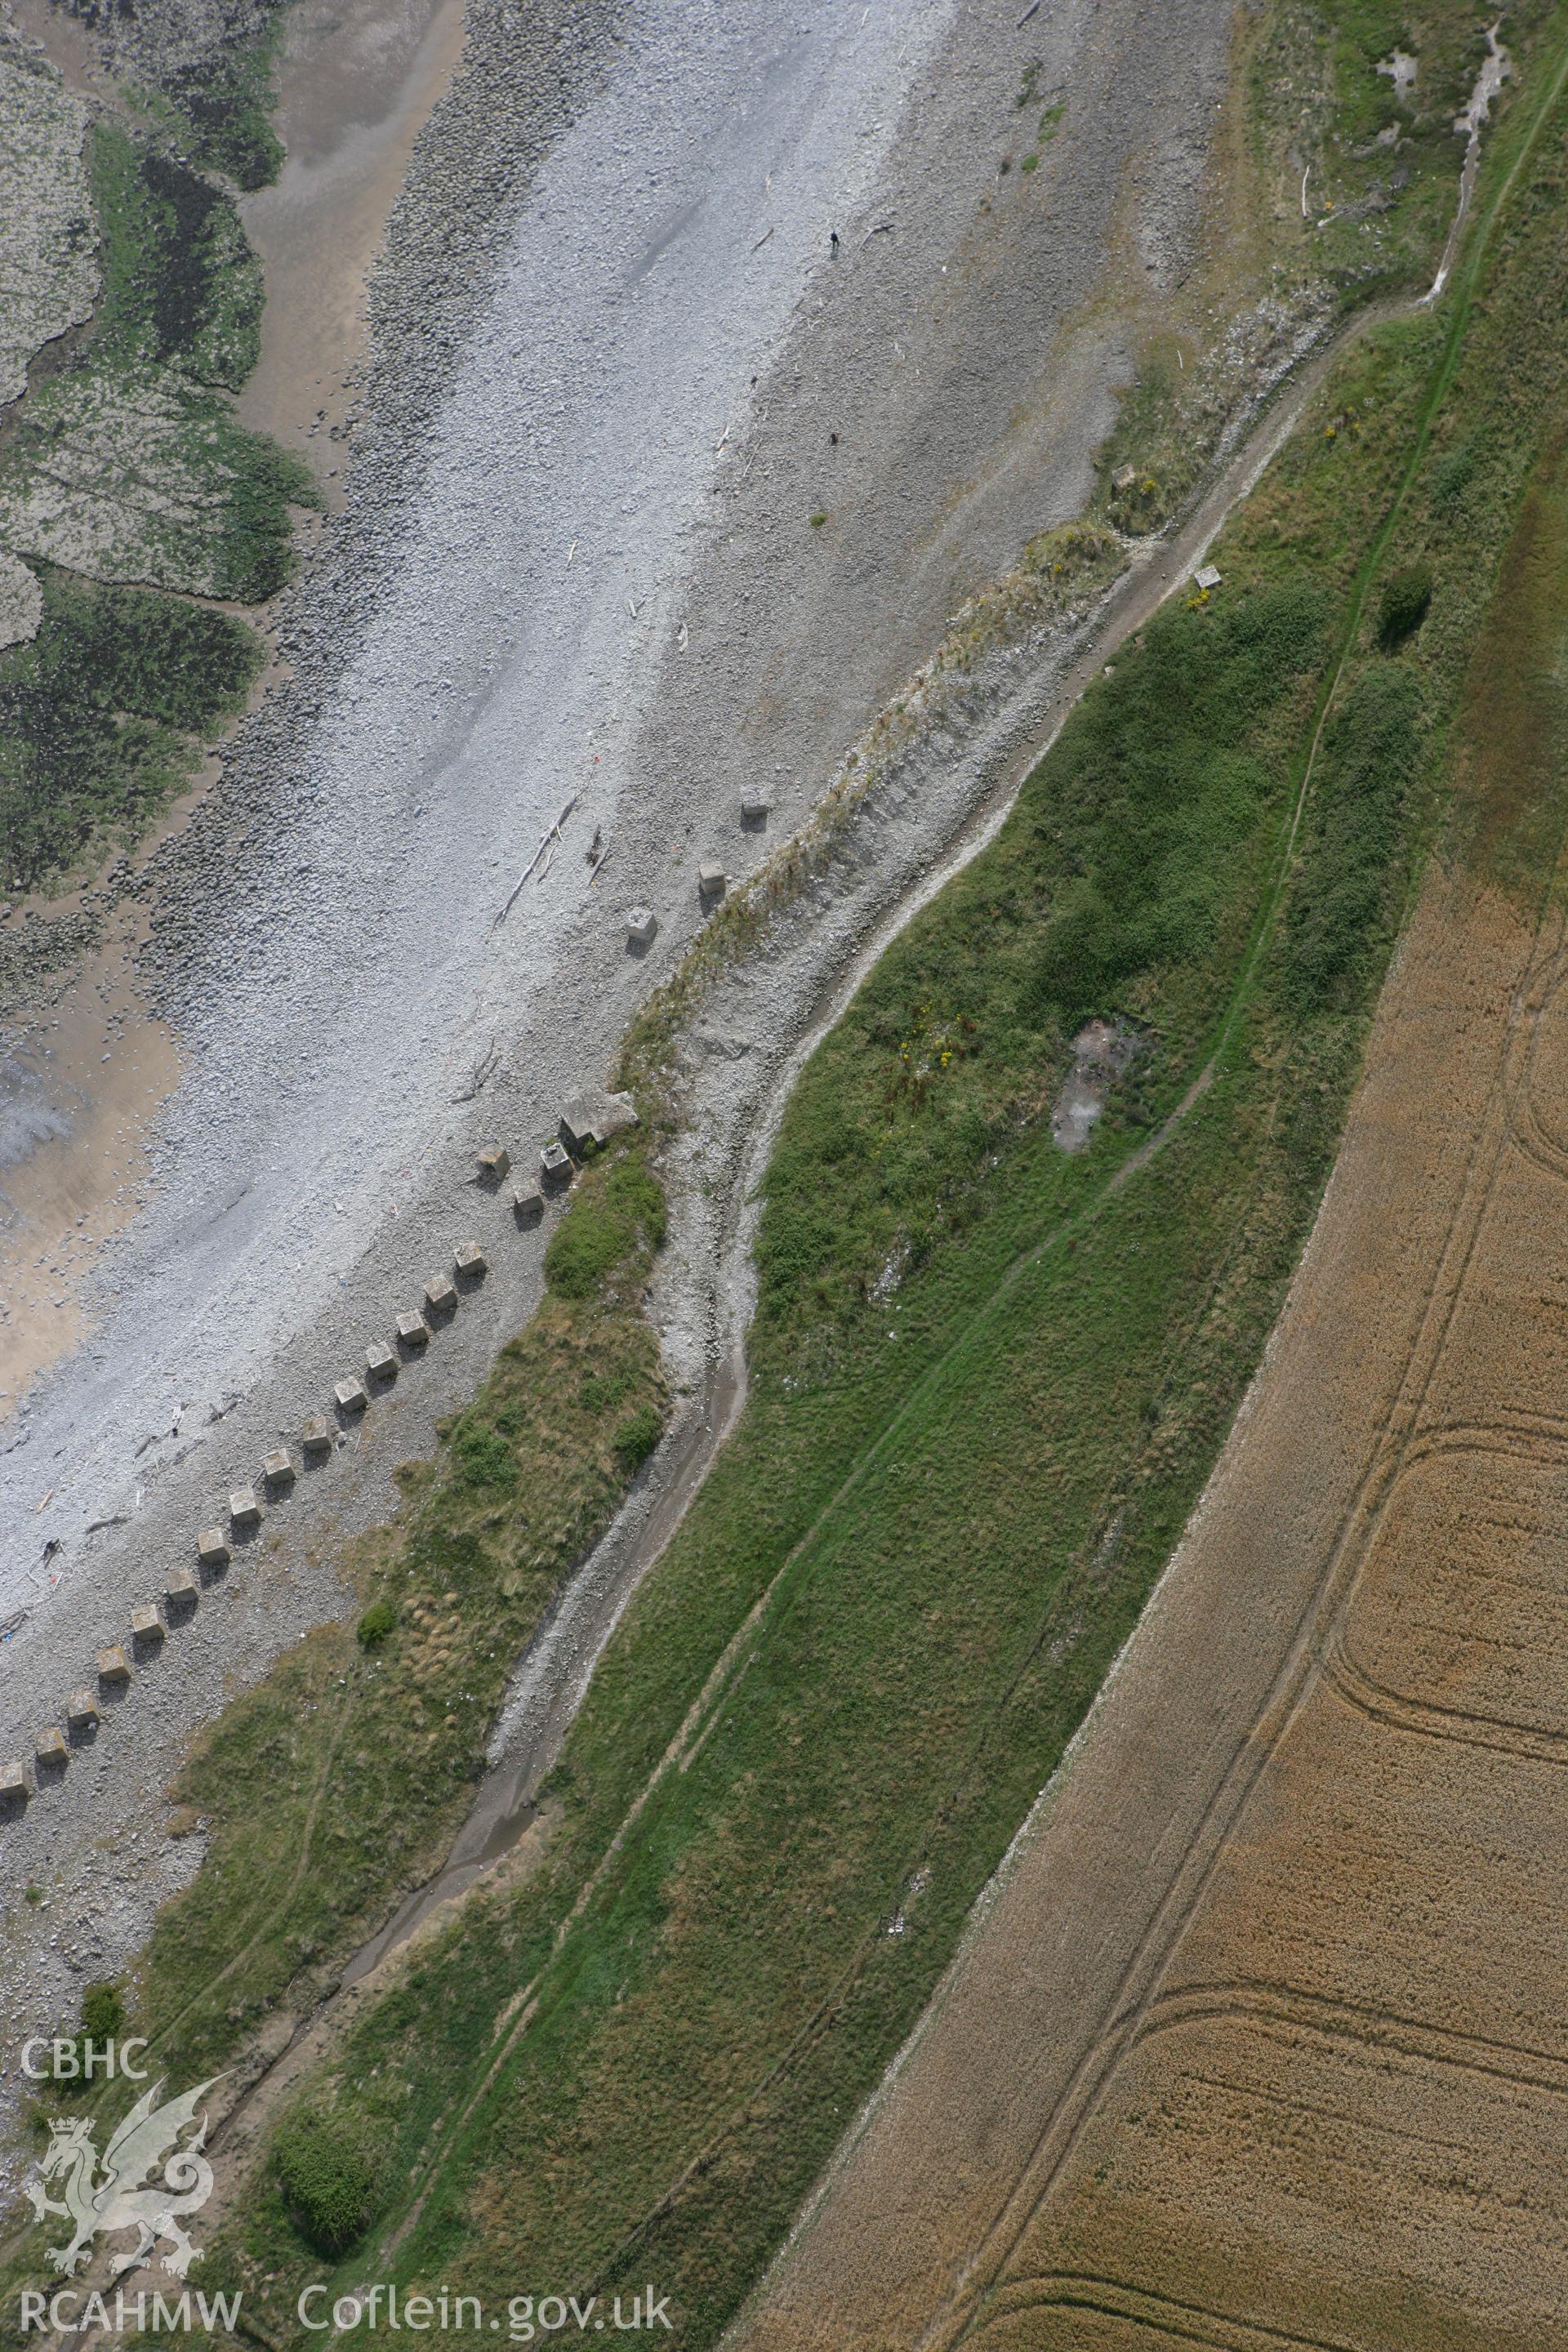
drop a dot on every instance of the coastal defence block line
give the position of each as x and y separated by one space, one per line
586 1125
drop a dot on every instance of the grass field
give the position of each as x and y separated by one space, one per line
987 1383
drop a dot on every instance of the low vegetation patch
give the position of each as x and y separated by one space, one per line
610 1219
328 2181
181 284
103 716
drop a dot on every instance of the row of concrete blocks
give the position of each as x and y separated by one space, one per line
351 1395
642 923
586 1125
149 1625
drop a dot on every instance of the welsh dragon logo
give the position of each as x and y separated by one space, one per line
147 2140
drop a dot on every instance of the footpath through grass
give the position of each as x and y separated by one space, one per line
987 1382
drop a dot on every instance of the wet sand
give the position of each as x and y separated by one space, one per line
79 1090
358 80
68 48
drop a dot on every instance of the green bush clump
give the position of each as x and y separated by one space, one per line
603 1227
1407 593
600 1390
102 2012
1341 906
102 2020
329 2184
638 1436
378 1620
482 1453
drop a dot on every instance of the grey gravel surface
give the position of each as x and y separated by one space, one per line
579 564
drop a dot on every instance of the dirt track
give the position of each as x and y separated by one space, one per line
1259 2037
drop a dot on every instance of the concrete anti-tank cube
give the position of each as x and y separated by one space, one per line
642 926
50 1747
381 1361
277 1467
494 1161
316 1437
146 1625
182 1585
1206 578
413 1330
590 1121
81 1710
12 1783
711 879
1124 477
212 1548
528 1204
350 1396
756 811
113 1666
244 1507
555 1164
440 1295
469 1259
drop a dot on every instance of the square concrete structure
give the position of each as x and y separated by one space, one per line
12 1783
113 1666
413 1329
316 1437
590 1120
277 1467
642 926
212 1548
182 1585
1206 578
440 1295
710 879
470 1258
146 1625
81 1710
351 1395
49 1746
555 1163
244 1507
1124 477
756 811
494 1161
528 1204
381 1361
